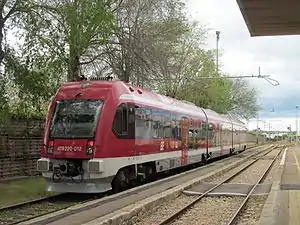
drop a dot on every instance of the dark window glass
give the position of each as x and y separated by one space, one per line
142 123
210 131
120 124
167 125
203 132
75 118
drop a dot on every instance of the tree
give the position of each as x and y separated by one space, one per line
4 107
28 87
243 99
10 10
68 33
142 28
150 43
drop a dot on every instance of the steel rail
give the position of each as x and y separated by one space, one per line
61 198
30 202
234 217
185 208
58 197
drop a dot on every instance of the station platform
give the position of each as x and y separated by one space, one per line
282 206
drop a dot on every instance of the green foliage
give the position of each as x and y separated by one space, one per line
4 107
243 99
68 32
221 102
150 43
31 85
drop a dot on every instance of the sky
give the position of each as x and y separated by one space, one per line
242 55
277 56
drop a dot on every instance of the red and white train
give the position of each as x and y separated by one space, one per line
101 135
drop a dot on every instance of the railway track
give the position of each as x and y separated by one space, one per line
39 207
232 220
35 208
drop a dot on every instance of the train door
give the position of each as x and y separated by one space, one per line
184 123
238 135
232 137
221 142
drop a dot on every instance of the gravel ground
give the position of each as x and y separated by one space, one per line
160 212
206 210
210 211
250 175
221 177
273 173
254 172
251 213
46 206
7 217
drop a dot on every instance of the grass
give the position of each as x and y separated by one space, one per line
13 192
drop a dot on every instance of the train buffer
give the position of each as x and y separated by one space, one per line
282 206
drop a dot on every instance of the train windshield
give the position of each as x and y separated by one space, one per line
75 119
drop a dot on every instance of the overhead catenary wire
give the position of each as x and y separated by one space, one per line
185 78
265 77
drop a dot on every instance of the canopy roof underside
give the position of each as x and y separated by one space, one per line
271 17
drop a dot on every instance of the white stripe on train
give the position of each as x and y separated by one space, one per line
163 161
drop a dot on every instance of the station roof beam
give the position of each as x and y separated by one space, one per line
271 17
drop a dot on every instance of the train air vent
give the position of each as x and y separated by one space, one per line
43 165
106 78
95 166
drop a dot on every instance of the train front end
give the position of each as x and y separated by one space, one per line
68 161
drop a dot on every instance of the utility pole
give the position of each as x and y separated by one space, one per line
217 56
257 127
296 139
269 131
290 133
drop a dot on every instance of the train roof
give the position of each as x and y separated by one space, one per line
128 91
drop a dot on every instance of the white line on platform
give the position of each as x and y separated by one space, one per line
283 158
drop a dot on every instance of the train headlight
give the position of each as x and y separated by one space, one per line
50 147
90 147
90 151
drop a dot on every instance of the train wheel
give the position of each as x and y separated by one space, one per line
121 181
203 159
150 173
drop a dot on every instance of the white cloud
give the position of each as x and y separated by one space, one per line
242 54
274 123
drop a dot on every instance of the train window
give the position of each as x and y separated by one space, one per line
120 123
210 131
158 123
167 125
192 138
203 131
124 119
143 124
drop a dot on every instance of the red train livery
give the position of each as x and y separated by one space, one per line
101 135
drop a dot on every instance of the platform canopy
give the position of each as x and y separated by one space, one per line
271 17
